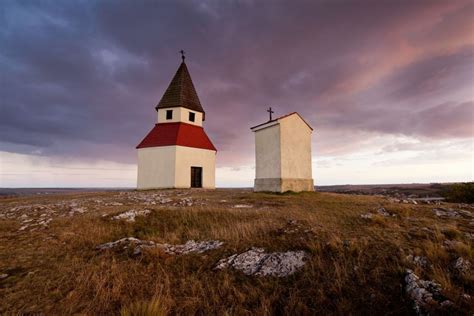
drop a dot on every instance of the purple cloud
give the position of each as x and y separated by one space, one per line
82 80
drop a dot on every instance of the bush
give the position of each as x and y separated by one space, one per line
460 193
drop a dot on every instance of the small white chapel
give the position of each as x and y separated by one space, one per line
283 154
177 153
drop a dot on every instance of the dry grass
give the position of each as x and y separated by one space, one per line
356 265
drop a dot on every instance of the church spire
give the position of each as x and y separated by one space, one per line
181 91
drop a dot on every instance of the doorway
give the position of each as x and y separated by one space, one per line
196 177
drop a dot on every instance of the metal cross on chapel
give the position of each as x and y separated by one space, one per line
270 112
182 55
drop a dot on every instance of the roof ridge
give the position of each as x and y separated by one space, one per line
282 117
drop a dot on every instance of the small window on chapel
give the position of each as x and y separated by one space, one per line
192 116
169 114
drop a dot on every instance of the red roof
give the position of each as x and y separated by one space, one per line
181 134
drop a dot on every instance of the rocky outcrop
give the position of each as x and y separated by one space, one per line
462 265
419 261
258 262
381 211
191 246
137 245
426 295
443 212
129 216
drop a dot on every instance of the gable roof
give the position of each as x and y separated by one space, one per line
181 92
180 134
275 121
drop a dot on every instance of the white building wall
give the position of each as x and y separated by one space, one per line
170 167
187 157
283 156
267 152
156 167
295 139
180 114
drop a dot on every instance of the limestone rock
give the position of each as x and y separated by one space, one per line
243 206
443 212
258 262
128 243
191 246
462 265
426 295
79 210
383 212
137 245
129 216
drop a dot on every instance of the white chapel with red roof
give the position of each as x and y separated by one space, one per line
177 153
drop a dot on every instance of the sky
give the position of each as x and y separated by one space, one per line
388 86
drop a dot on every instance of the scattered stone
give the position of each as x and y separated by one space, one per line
426 295
128 243
191 246
3 276
367 216
45 222
137 245
462 265
383 212
465 213
187 201
443 212
22 228
79 210
114 204
129 216
260 263
243 206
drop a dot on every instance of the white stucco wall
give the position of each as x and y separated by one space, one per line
180 114
170 167
283 155
156 167
295 146
267 152
187 157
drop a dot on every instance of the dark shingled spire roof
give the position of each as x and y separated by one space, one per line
181 92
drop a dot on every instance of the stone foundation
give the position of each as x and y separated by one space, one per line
283 185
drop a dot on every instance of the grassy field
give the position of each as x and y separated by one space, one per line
49 262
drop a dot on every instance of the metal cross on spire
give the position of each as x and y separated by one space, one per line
270 112
182 55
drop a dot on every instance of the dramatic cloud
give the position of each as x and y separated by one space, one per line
79 81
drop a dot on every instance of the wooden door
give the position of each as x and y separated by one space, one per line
196 177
